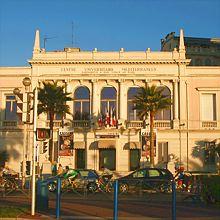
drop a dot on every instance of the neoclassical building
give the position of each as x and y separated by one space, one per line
106 130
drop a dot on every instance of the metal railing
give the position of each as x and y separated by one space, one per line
11 185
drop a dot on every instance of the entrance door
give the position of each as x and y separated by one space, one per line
163 152
134 159
80 158
107 159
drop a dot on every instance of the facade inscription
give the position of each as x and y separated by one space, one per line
108 69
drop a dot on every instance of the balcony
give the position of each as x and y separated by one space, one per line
162 124
209 124
75 124
81 124
10 125
157 124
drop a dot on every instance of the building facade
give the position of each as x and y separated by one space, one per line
201 51
103 129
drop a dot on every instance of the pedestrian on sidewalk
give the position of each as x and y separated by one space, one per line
60 169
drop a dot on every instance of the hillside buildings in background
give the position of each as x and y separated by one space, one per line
201 51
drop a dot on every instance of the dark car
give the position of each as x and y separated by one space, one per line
146 178
82 180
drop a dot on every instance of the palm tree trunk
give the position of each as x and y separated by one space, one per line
51 146
151 139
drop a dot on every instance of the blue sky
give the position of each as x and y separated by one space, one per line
103 24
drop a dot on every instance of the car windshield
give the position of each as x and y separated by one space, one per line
88 173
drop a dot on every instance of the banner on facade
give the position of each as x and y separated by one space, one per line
66 142
145 142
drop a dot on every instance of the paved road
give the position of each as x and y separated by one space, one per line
135 208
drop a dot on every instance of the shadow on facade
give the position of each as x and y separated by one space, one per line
206 153
12 143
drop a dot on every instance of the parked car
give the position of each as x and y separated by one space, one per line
146 178
82 180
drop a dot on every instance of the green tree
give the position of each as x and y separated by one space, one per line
52 100
149 101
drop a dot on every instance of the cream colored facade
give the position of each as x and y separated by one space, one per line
189 129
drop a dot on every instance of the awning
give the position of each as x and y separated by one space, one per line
79 145
106 144
132 145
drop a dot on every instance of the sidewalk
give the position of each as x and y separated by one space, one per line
73 208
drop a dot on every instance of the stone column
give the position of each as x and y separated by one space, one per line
69 89
122 100
183 111
175 104
95 98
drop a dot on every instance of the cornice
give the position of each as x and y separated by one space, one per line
208 88
42 62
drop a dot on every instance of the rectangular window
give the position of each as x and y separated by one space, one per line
208 107
10 108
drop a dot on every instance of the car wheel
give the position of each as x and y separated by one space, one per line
166 188
123 187
92 187
52 187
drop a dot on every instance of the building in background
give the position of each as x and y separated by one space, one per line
106 130
201 51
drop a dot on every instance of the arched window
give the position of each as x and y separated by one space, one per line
81 106
166 113
198 62
207 62
132 113
108 101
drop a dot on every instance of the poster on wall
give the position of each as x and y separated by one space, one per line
65 142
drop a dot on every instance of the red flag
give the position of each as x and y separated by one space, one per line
107 118
111 118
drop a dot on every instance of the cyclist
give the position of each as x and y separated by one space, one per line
70 174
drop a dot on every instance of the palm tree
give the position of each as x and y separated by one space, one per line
149 101
52 100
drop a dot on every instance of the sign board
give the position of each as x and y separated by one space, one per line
66 142
145 132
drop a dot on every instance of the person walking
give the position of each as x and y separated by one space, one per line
60 169
54 168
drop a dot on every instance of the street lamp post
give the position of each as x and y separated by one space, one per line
26 110
34 153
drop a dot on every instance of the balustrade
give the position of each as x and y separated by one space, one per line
209 124
157 124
